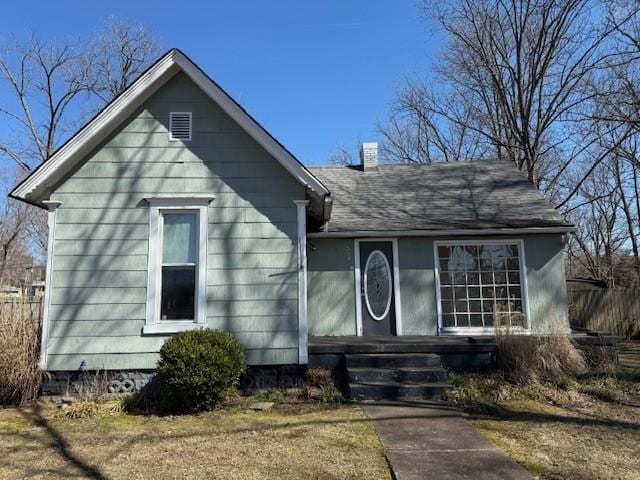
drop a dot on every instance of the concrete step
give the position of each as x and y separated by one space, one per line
398 375
392 360
397 391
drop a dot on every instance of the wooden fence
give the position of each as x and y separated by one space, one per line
608 310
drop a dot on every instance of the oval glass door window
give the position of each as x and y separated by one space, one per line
377 285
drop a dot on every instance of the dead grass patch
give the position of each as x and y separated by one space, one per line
312 442
579 428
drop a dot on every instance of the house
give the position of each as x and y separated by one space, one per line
173 209
37 289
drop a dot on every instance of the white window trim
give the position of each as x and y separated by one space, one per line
396 281
523 275
158 205
171 137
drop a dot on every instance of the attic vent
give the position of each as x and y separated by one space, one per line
180 126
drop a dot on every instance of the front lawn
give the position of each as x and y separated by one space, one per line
584 429
288 442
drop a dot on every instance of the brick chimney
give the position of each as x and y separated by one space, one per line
369 155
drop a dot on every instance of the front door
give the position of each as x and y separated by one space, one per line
376 288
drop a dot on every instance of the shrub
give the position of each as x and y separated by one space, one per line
20 376
198 369
528 359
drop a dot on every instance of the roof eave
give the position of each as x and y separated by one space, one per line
478 232
33 189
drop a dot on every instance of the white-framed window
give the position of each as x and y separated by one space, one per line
177 276
180 126
480 284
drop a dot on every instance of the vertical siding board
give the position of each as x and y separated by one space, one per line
102 240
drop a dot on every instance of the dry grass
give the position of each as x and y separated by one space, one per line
530 359
291 442
581 428
20 376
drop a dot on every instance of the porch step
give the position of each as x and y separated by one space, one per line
392 360
398 375
397 391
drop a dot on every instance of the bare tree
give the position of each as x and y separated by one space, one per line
615 127
14 216
341 155
54 86
602 232
45 79
417 132
122 52
517 75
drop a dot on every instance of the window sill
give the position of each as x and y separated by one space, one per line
471 331
170 327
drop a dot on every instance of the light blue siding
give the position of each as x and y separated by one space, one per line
99 276
330 279
332 285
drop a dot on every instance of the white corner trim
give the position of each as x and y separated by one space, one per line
396 281
114 113
523 282
303 327
158 205
52 206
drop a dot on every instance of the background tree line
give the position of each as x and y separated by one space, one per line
50 87
552 86
549 85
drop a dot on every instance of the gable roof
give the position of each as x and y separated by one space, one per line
35 187
476 197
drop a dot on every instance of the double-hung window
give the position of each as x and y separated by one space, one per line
179 265
176 290
481 284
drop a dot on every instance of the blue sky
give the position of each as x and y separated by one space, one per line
315 74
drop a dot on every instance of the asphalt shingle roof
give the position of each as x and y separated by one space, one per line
486 194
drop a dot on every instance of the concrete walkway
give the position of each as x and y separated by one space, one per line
432 441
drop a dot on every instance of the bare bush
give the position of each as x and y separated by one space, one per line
530 359
20 327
